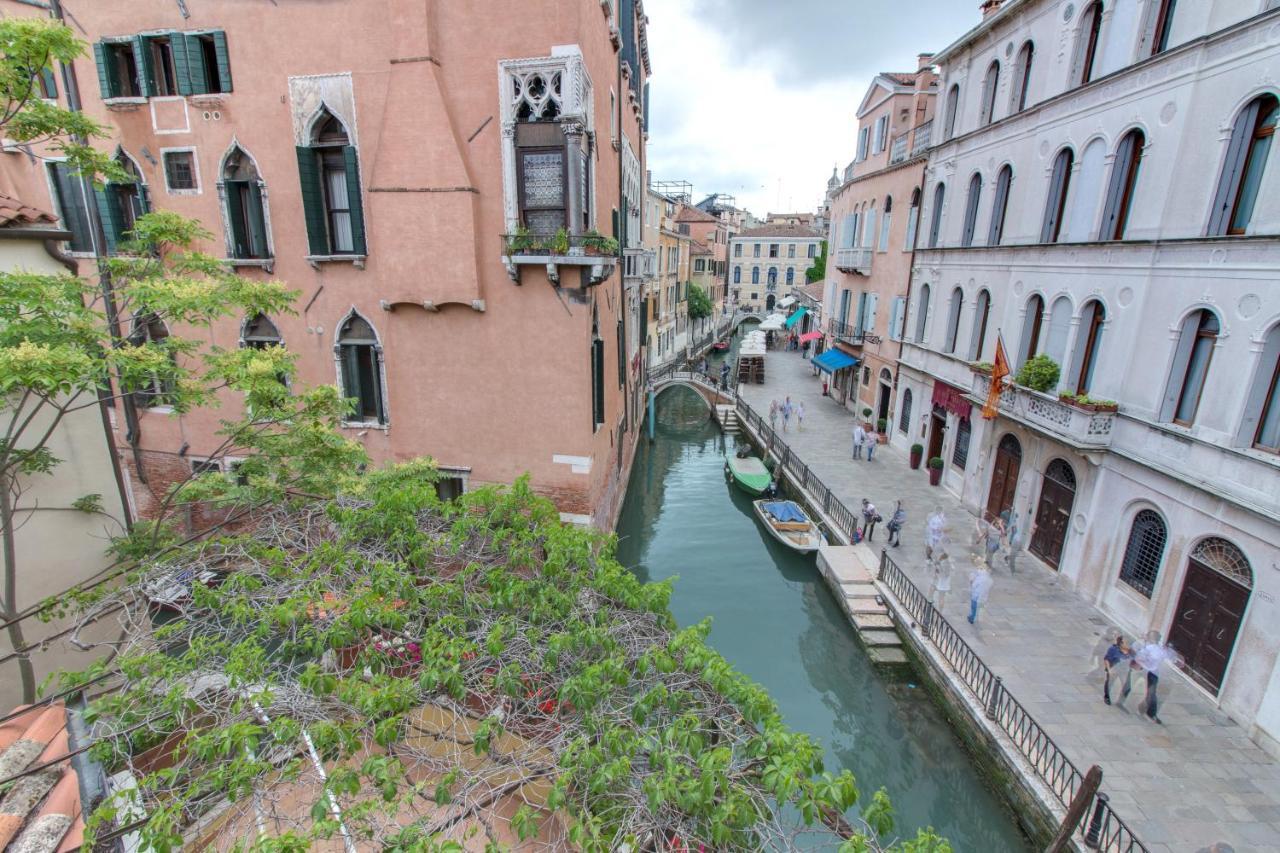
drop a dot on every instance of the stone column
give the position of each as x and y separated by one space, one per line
573 130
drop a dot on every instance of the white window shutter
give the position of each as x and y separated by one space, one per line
872 300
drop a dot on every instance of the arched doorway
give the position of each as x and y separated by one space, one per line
886 392
1004 476
768 302
937 430
1057 494
1210 610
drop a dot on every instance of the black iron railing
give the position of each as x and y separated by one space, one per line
849 334
1102 827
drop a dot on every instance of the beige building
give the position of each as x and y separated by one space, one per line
768 261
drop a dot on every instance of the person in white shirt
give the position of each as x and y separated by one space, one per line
1151 656
859 439
941 583
934 526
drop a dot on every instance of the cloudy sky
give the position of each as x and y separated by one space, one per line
757 97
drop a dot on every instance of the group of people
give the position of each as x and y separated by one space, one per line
786 410
1122 661
864 437
937 552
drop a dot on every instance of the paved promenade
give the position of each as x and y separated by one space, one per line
1183 786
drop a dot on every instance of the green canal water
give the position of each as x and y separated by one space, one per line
774 619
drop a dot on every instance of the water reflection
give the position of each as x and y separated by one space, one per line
776 621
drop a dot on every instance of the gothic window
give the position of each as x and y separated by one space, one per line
329 171
1190 367
1124 181
971 210
922 313
935 224
261 333
360 365
953 320
150 331
1031 329
904 415
1022 77
1088 345
1090 33
999 206
1261 426
1244 166
989 87
913 221
1055 206
245 206
1144 552
953 104
120 204
981 314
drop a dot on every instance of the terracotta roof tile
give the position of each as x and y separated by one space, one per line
692 214
780 229
900 77
697 247
14 212
41 810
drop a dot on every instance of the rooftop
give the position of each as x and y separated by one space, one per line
41 810
14 212
693 214
780 229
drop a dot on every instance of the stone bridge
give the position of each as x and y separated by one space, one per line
705 387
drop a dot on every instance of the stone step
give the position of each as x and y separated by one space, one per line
865 606
872 621
859 589
880 638
887 655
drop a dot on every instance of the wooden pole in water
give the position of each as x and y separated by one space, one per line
1079 805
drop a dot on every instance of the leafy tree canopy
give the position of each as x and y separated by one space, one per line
699 303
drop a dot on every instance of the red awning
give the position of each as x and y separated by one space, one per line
810 336
952 399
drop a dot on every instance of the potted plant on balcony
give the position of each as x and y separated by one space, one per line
1087 403
983 367
935 470
596 243
522 242
1039 374
917 453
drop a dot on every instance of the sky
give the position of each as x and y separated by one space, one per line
757 98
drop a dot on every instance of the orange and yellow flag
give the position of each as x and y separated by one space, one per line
999 370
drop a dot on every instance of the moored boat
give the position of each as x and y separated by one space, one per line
789 524
749 473
720 346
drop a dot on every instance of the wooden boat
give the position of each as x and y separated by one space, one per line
720 346
749 473
787 523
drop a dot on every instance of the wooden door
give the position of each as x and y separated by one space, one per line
1004 476
937 429
1054 513
1206 622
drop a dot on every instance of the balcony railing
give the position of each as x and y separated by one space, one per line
898 151
640 263
852 335
921 141
1050 415
597 255
855 260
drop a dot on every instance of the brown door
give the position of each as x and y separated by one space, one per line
1206 622
937 429
1054 513
1004 476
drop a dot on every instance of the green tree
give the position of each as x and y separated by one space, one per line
818 271
699 303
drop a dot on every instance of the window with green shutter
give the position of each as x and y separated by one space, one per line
120 204
208 68
360 362
329 172
118 69
246 212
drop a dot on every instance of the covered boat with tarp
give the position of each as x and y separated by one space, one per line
749 472
787 522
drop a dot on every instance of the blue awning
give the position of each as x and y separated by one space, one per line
833 360
795 318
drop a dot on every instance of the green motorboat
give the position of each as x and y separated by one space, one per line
749 473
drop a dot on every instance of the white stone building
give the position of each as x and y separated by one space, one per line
1101 190
767 261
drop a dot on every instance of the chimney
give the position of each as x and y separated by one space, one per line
990 7
923 61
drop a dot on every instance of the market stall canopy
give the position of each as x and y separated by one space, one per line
795 318
787 302
773 324
810 336
833 360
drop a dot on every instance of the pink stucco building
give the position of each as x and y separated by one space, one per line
377 161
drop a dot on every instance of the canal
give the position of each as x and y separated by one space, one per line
774 619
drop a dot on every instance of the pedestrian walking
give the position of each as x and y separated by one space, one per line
859 439
894 526
873 439
979 588
869 518
702 365
941 583
934 526
1011 538
787 410
800 415
1116 663
724 374
773 415
1151 657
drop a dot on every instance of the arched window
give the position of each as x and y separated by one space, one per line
150 331
1058 329
1055 206
360 364
999 206
1190 367
913 221
953 319
755 275
1261 425
773 278
1144 552
330 175
1124 180
922 313
1022 77
1244 166
981 313
1225 558
260 333
1163 26
242 191
1090 33
886 217
121 203
935 223
989 86
971 210
791 275
904 412
1031 329
737 275
1088 345
953 104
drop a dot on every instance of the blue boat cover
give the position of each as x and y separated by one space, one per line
833 360
785 511
795 318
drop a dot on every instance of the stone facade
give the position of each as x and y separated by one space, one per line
767 262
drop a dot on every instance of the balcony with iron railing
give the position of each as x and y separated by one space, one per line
898 150
1073 424
848 334
595 254
921 141
639 263
854 259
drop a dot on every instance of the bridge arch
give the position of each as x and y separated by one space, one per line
706 391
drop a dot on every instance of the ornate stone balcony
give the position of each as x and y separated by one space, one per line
595 255
855 260
1070 424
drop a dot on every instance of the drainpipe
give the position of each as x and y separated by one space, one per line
622 244
71 85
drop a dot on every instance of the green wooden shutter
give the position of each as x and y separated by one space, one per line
196 78
108 199
146 70
144 199
354 202
224 63
49 82
236 216
597 381
312 201
257 221
351 379
106 70
182 61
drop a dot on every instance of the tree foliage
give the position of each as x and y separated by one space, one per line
699 302
818 271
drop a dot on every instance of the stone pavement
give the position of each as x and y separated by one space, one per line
1194 781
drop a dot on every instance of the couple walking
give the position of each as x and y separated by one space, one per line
1144 658
788 410
864 437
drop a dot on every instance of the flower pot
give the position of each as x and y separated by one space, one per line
346 656
916 456
935 476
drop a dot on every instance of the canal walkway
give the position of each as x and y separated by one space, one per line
1195 781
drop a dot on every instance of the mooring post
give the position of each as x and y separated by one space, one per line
994 697
1095 823
651 397
1077 809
